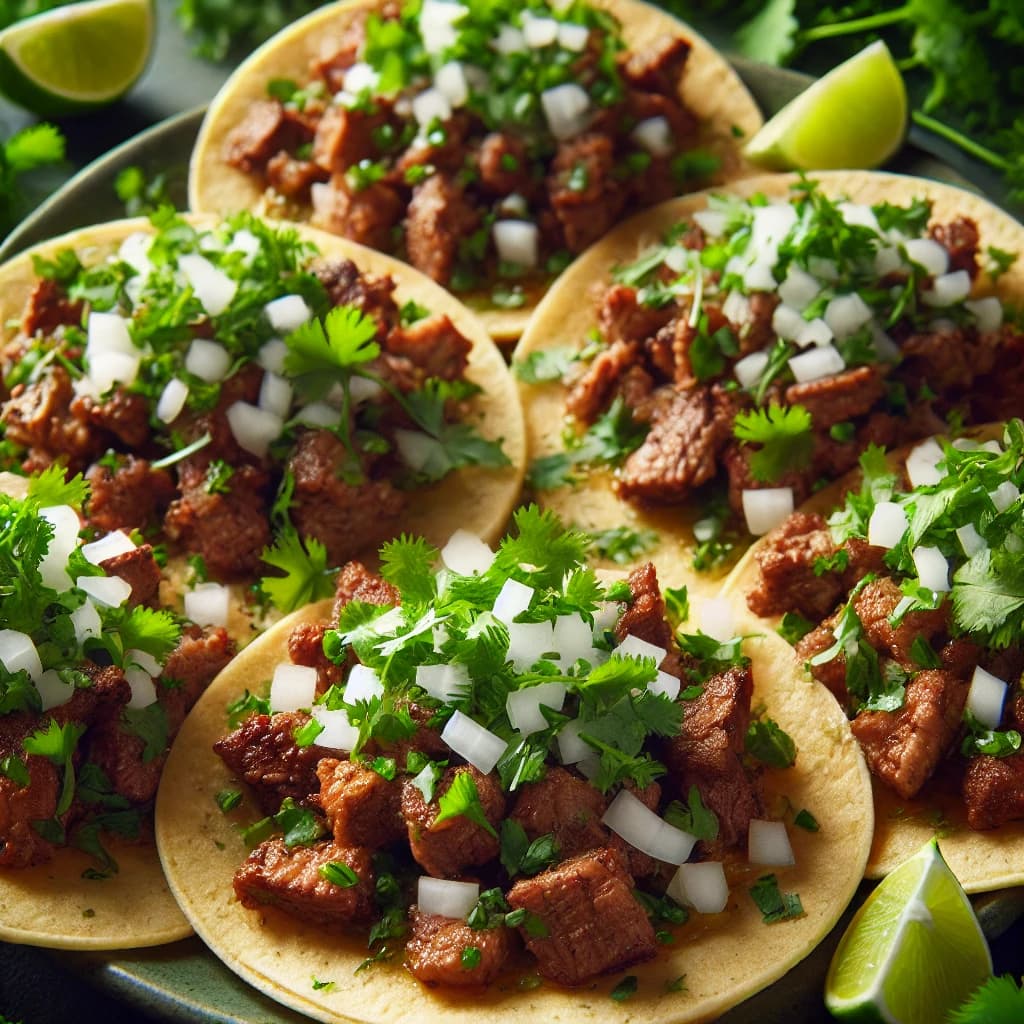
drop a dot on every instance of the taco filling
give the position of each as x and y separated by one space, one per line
759 349
907 603
485 144
95 680
225 389
504 754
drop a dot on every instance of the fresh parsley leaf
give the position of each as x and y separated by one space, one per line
774 904
997 1001
306 575
152 630
531 923
243 707
408 564
693 816
785 435
677 605
385 767
50 488
770 744
462 800
988 598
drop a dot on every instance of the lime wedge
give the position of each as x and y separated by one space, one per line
913 952
855 116
77 57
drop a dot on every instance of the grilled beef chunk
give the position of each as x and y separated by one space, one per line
21 845
504 164
434 345
424 740
832 673
306 647
265 130
190 668
356 583
576 901
439 215
993 790
594 390
262 752
645 616
362 807
139 570
48 308
373 296
445 849
565 805
131 496
658 68
876 603
293 178
840 397
586 196
366 215
123 416
290 880
960 238
434 950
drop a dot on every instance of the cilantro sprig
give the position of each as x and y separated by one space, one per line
785 436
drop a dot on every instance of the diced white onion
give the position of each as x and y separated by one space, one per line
208 604
885 348
143 660
418 450
799 288
517 241
86 622
823 268
988 312
271 355
787 323
932 568
768 843
358 77
766 507
437 21
758 277
115 543
361 390
479 746
629 817
1004 495
573 37
717 619
771 224
572 638
254 428
814 332
172 400
362 684
445 683
134 251
450 81
513 598
108 332
246 242
606 616
515 205
289 312
446 898
923 464
887 524
712 222
318 414
846 314
633 647
565 107
429 106
275 395
948 289
539 32
571 749
53 565
970 540
701 886
986 697
887 260
523 706
292 687
859 215
213 288
53 691
816 363
528 642
465 553
655 135
17 652
666 684
338 732
993 446
509 40
207 360
927 253
107 368
109 591
142 686
749 369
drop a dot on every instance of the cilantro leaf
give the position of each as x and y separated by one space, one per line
622 544
300 825
770 36
543 543
693 816
339 874
57 743
15 769
785 435
408 564
304 564
770 744
318 350
988 599
543 365
151 726
243 707
794 627
774 904
462 800
154 631
520 856
997 1001
50 488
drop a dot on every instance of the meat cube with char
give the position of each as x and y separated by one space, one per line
736 460
585 195
659 67
877 601
576 902
290 879
445 849
346 286
993 790
265 129
425 739
293 178
344 136
433 952
621 317
786 579
839 397
832 673
504 164
365 215
263 753
567 807
20 844
130 496
960 239
593 391
306 647
48 308
645 616
356 583
862 558
708 751
904 747
362 807
434 345
139 570
190 668
124 416
439 216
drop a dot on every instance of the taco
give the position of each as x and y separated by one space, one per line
899 589
250 397
486 144
500 786
94 682
722 356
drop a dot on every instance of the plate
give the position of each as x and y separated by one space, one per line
185 983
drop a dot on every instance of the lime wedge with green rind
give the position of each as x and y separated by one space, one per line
913 952
78 57
854 116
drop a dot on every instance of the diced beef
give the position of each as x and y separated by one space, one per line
106 696
356 583
658 67
306 647
839 397
593 391
679 452
960 239
996 395
960 656
362 807
736 459
903 747
786 579
862 559
131 496
638 863
708 751
941 358
190 668
876 602
566 806
448 154
832 673
137 568
20 844
263 753
344 136
293 178
434 345
120 755
645 616
425 739
272 875
993 790
438 217
48 308
757 333
123 415
347 518
504 164
365 215
585 195
339 54
346 286
433 952
621 317
265 129
592 922
445 849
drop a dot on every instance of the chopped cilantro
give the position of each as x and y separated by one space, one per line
151 726
50 487
543 365
922 653
533 925
300 825
462 800
807 821
785 436
57 743
305 735
323 986
982 740
248 704
520 856
622 544
385 767
470 958
339 874
794 627
768 743
15 769
228 799
774 904
306 575
677 605
625 989
693 816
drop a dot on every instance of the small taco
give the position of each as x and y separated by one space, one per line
722 356
484 779
900 590
95 680
249 396
487 144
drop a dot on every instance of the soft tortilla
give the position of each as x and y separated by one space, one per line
982 861
568 312
710 88
51 905
725 957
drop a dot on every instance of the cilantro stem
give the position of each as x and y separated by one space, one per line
847 28
182 453
965 142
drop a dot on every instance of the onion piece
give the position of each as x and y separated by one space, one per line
253 428
318 414
572 36
539 32
814 332
466 554
655 135
717 619
573 638
53 565
987 312
513 598
272 355
86 622
701 886
290 312
970 540
665 683
142 686
523 706
213 288
627 816
566 108
436 23
446 683
816 363
450 80
109 591
887 525
172 400
107 368
787 322
927 253
923 464
887 260
1004 495
446 898
275 395
516 241
108 332
633 647
18 651
750 368
948 289
292 687
245 241
362 684
208 604
572 749
528 642
134 251
338 733
479 746
712 222
986 697
766 507
143 660
799 289
758 277
429 106
932 568
846 314
508 40
53 691
115 543
768 843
